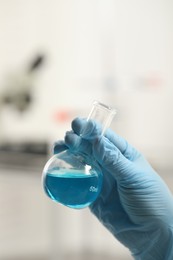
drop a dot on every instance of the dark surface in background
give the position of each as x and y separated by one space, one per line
25 155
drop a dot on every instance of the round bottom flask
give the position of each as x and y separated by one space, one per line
71 182
67 179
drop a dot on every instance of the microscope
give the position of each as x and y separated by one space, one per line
17 94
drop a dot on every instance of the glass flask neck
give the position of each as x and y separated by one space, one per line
102 114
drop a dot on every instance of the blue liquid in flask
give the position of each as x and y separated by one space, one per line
73 188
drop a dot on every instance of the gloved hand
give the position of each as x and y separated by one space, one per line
135 204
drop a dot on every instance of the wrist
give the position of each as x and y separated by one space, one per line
159 245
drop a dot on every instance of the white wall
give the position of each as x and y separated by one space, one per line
119 52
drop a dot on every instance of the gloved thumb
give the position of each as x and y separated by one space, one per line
111 159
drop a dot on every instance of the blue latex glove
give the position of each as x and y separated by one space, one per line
135 204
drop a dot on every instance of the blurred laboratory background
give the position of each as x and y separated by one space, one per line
56 57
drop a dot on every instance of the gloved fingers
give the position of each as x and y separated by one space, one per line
71 141
110 158
105 152
59 146
78 145
90 130
125 148
86 129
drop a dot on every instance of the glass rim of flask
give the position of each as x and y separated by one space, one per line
107 113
